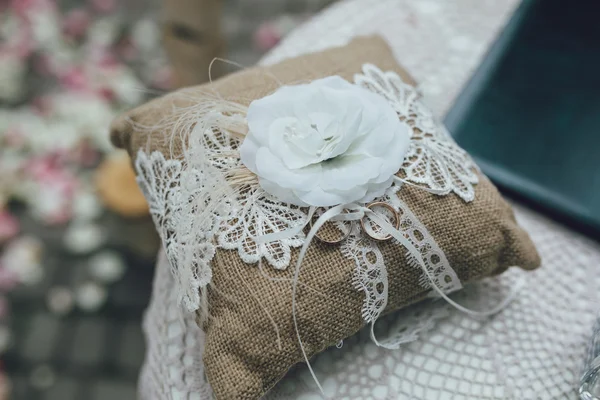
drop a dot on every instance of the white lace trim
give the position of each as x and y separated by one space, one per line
197 211
172 191
434 160
257 214
434 258
371 274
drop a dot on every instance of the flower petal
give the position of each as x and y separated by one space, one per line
396 150
351 129
348 172
271 168
334 82
379 125
282 194
294 156
262 112
376 190
324 143
248 151
320 198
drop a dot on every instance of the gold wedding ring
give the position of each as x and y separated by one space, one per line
368 229
330 233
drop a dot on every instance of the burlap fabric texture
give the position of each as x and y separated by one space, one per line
243 359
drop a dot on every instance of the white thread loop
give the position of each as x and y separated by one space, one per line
396 234
332 212
358 212
402 181
289 233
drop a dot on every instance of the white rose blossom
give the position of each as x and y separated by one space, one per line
324 143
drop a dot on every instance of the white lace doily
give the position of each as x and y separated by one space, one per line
231 219
534 348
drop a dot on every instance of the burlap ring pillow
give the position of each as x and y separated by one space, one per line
451 225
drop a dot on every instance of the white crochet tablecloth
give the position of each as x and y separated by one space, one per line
534 349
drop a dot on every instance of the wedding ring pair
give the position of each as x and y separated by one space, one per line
332 233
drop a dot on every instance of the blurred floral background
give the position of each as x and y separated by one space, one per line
65 71
76 244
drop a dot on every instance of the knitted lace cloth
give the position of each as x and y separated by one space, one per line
534 348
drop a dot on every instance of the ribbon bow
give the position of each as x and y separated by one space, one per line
356 212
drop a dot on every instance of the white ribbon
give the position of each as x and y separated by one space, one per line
357 212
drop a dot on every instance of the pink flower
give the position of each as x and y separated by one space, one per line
43 167
21 261
9 226
55 188
24 7
107 94
20 45
266 36
56 212
24 47
21 6
74 79
76 23
101 56
163 79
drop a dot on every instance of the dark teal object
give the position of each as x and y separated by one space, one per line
530 115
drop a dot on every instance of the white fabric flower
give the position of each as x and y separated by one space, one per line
324 143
